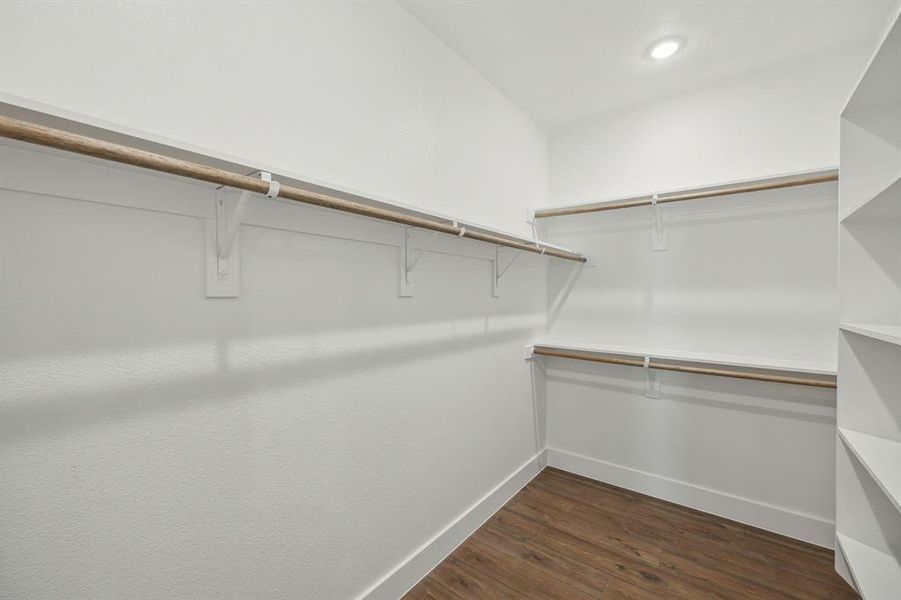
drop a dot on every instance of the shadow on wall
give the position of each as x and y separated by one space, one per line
229 371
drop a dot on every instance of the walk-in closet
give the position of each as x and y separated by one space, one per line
450 300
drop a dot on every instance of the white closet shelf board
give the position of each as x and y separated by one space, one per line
884 206
730 360
50 116
877 574
886 333
880 457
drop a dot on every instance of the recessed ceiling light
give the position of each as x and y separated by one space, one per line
665 49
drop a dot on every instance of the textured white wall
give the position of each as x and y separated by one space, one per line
299 441
353 94
770 122
751 274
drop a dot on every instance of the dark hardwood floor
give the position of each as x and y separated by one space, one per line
564 536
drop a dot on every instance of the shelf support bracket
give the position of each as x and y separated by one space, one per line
653 385
499 272
223 240
532 222
227 228
407 266
658 230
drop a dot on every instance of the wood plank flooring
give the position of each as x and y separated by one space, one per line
564 536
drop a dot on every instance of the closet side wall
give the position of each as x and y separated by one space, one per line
316 433
750 275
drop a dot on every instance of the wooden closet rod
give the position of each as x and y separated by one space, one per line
62 140
682 196
823 383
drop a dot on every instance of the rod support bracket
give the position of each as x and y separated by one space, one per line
223 240
658 228
532 222
409 259
529 353
653 384
499 272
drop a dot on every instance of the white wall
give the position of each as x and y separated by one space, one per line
357 95
304 439
751 275
780 120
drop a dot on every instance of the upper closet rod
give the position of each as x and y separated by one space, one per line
823 383
809 179
63 140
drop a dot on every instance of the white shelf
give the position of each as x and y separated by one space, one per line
884 206
881 458
60 118
879 84
877 574
751 362
871 166
886 333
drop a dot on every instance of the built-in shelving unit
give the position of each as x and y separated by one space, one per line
868 451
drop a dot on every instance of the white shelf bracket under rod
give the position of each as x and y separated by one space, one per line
658 230
653 389
499 272
223 265
407 266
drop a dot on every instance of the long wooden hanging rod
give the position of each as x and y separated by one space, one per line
63 140
823 177
823 383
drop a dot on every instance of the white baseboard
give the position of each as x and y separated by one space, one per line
416 566
744 510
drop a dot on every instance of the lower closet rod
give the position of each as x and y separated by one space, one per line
823 383
63 140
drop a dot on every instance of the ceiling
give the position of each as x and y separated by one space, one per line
565 60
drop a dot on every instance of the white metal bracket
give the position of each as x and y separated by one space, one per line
499 272
653 389
408 265
223 241
532 222
529 353
658 230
